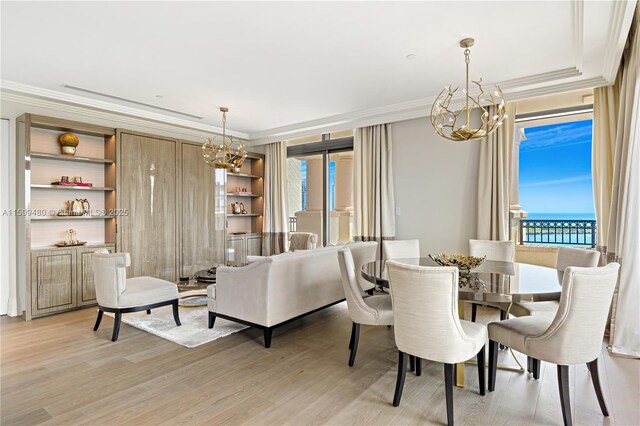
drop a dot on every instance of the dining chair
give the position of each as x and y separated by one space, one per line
400 249
573 336
426 323
373 310
493 250
366 253
115 293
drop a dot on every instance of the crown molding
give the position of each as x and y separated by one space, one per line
619 24
32 95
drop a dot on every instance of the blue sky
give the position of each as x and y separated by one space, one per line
555 168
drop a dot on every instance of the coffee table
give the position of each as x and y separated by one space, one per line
192 300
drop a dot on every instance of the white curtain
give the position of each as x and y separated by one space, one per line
494 180
373 199
275 222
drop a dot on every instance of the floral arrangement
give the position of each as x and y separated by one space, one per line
459 260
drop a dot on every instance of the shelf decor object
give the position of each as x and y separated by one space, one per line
462 262
444 116
223 155
68 143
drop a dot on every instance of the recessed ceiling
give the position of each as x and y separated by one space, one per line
286 68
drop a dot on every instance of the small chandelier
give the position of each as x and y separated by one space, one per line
444 117
223 155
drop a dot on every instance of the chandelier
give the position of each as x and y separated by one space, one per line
444 116
223 155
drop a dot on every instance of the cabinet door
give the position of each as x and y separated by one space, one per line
254 245
53 281
236 255
86 289
203 212
147 190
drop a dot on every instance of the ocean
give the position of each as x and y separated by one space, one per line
562 216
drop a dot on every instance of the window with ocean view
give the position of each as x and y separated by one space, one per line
555 185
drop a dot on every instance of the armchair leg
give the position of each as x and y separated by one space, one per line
116 326
535 367
418 366
595 378
474 312
493 364
448 385
148 311
98 320
176 316
212 319
402 372
412 363
267 337
563 387
355 337
481 381
529 366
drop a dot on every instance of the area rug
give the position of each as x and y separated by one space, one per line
193 332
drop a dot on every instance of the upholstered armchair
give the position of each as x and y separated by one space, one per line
302 241
115 293
400 249
573 336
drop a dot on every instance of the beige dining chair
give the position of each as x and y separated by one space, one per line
573 336
426 324
115 293
493 250
373 310
366 253
400 249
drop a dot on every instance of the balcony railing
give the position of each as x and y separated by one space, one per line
565 232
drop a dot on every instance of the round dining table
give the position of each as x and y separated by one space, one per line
493 282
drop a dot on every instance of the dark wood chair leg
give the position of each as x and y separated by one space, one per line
353 333
412 363
116 326
474 312
148 311
402 372
529 367
503 316
176 316
595 378
369 292
493 364
448 387
267 332
563 387
535 366
212 319
355 336
418 366
481 382
98 321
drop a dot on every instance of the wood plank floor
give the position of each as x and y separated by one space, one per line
56 370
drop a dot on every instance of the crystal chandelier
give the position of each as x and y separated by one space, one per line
223 155
444 116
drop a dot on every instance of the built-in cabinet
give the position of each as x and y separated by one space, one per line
241 246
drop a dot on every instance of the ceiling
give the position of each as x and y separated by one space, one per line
288 69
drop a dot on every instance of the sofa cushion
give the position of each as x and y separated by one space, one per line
142 291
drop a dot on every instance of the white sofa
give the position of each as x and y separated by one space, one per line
274 290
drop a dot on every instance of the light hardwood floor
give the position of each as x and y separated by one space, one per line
56 370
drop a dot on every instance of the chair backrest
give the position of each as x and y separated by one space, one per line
571 256
400 249
302 241
425 312
359 311
363 253
109 276
575 335
494 250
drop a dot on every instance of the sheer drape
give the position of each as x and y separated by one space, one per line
275 222
373 201
494 180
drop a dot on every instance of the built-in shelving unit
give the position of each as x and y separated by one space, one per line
61 157
72 188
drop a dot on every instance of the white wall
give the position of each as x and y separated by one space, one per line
435 184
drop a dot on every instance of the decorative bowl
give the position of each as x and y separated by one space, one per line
460 261
68 143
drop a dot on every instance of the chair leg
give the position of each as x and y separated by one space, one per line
493 364
98 320
412 363
481 381
353 333
418 366
535 366
402 372
503 316
116 326
369 292
448 385
148 311
267 332
529 367
176 316
595 378
474 312
563 387
212 319
355 337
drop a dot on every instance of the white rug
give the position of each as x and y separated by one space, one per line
193 332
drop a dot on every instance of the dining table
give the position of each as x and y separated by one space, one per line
493 282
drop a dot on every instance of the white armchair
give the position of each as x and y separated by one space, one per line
302 241
115 293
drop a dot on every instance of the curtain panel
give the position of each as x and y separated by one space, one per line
275 222
494 180
373 195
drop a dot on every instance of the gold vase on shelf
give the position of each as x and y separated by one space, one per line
68 143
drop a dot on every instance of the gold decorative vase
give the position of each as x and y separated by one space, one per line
68 143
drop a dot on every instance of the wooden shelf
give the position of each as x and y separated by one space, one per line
72 188
70 217
61 157
245 175
243 215
233 194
